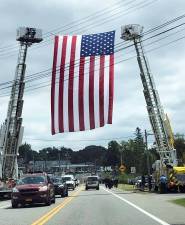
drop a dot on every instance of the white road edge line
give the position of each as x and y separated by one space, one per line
138 208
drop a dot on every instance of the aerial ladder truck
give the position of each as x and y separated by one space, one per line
167 165
11 131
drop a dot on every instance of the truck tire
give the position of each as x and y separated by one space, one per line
48 201
14 204
66 195
54 200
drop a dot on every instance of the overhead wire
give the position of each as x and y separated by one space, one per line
102 11
81 140
68 27
42 74
45 75
93 24
120 43
129 58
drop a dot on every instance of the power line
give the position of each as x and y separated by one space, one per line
120 43
132 57
77 23
116 15
44 75
82 140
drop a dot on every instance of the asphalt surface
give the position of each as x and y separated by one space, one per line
103 207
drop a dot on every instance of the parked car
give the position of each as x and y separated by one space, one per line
92 182
60 187
70 181
77 182
33 188
138 181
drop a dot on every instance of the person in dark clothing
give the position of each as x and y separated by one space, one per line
163 184
142 182
149 182
106 181
110 183
115 182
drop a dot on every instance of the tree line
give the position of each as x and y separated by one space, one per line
131 153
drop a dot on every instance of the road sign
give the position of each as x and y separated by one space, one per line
122 168
133 169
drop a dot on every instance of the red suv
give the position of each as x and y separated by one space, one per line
33 188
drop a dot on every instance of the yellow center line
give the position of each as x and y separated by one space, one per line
55 210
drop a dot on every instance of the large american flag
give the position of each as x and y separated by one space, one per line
82 82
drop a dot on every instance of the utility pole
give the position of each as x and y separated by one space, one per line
12 131
147 152
59 163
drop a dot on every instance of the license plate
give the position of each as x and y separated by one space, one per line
28 200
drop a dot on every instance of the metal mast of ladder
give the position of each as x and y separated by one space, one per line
12 131
155 111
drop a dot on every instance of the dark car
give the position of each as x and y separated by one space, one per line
33 188
60 187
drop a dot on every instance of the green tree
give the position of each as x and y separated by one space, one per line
26 153
113 154
139 151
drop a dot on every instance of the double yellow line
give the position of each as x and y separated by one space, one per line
55 210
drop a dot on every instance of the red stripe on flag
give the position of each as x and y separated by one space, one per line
111 88
91 92
53 86
81 94
61 85
71 83
101 90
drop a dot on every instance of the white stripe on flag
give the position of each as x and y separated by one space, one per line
96 92
86 94
66 83
76 84
106 88
56 116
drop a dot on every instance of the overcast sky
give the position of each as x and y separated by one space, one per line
67 17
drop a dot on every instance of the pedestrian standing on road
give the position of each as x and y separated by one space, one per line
149 182
142 182
163 184
106 182
115 181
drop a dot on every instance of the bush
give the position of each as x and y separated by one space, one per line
125 178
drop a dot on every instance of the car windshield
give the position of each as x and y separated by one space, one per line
57 180
67 178
92 178
31 180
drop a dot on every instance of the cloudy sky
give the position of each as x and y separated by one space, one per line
166 56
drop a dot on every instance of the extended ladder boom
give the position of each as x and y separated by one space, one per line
155 111
11 131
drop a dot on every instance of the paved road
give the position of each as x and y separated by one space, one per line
101 207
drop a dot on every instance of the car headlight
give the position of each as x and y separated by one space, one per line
61 186
15 189
43 188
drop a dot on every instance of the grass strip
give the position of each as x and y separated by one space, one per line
126 187
179 201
